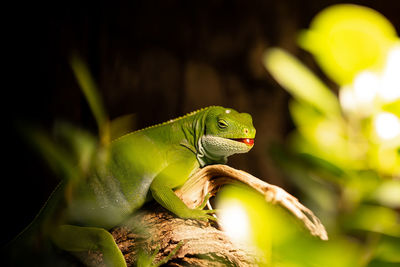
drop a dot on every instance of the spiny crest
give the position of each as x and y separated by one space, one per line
172 120
178 118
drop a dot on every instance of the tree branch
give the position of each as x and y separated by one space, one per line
154 230
210 178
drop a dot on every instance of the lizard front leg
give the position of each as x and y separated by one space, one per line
167 198
161 189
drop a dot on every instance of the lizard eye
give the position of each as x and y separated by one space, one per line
222 124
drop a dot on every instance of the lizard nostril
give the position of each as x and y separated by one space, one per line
246 131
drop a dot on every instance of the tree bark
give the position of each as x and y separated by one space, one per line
184 242
199 243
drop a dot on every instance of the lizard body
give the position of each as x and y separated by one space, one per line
140 166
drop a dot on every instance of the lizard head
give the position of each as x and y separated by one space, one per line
227 132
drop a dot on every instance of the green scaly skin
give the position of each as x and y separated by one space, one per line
144 165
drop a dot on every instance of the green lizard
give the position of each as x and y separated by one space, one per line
140 166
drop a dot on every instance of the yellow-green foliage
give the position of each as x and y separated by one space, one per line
344 155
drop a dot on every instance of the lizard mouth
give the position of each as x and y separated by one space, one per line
247 141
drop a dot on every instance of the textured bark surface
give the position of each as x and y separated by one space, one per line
202 244
155 231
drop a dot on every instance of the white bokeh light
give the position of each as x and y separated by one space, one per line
366 86
234 221
387 125
390 80
347 99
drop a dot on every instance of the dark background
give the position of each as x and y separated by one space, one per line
156 59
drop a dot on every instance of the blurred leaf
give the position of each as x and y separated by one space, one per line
393 107
346 39
338 155
337 252
80 144
56 156
294 161
122 125
244 212
304 115
243 216
385 158
324 133
322 166
298 80
388 193
374 219
357 189
90 91
388 249
316 191
379 263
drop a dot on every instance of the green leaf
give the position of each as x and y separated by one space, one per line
393 107
388 193
374 219
90 90
388 249
298 80
55 155
80 144
346 39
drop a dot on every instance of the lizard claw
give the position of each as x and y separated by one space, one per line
205 201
